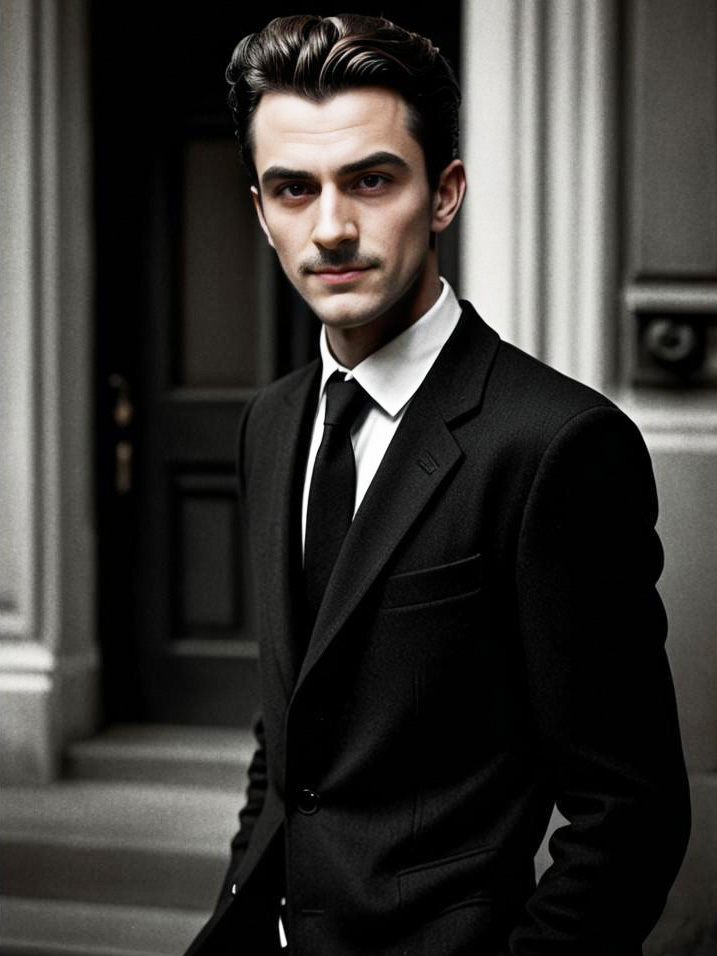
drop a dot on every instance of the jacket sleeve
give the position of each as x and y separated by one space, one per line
249 813
257 778
593 629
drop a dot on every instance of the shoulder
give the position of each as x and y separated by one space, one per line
545 397
530 409
542 405
271 401
270 411
575 437
286 387
514 385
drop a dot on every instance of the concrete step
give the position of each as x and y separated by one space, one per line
199 756
129 844
31 927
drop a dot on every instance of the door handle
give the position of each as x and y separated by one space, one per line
122 415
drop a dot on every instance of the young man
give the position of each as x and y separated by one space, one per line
455 563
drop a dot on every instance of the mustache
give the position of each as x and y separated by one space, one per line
341 256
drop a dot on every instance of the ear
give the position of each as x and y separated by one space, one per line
260 213
448 196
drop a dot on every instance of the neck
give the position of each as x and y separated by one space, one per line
350 346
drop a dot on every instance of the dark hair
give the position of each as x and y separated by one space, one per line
319 56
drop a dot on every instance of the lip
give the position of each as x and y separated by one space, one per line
337 276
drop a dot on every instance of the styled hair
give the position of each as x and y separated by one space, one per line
317 57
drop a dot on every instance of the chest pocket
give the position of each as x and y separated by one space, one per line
439 583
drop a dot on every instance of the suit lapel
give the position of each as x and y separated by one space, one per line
421 455
281 528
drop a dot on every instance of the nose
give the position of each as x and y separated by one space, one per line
335 221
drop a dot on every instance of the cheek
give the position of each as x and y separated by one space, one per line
284 250
283 237
410 235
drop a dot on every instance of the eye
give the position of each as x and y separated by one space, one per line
372 182
293 190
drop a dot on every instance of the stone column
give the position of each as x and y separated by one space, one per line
48 653
540 225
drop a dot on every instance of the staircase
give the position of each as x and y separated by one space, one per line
123 856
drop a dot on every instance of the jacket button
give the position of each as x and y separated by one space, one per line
308 801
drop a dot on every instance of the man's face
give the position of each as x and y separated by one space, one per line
344 199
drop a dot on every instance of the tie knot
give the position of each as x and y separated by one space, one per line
344 400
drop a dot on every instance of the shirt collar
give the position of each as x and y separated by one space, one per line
392 374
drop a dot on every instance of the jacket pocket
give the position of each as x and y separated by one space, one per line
439 583
449 883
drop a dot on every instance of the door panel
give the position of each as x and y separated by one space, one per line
225 265
674 135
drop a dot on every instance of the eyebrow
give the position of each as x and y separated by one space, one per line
382 158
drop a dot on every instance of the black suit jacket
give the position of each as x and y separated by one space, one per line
491 643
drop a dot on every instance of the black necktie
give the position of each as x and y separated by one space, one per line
332 493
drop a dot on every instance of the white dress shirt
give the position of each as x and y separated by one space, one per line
391 377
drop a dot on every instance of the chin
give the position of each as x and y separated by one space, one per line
345 318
